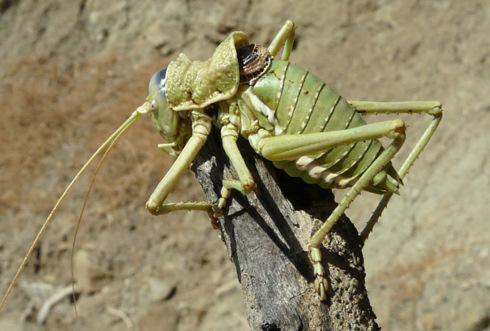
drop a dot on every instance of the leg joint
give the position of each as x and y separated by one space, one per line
436 111
153 208
248 186
397 131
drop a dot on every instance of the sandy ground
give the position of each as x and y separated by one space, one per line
71 72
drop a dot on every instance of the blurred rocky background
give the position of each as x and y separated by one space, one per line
72 71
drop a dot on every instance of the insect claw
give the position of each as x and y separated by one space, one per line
217 211
214 219
321 286
321 283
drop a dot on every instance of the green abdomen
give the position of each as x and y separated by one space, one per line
305 104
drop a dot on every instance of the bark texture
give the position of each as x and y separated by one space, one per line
267 235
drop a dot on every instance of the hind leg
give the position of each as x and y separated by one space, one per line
321 283
292 147
433 108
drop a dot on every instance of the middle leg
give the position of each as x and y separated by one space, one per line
321 283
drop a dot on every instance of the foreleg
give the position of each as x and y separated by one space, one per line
155 203
245 182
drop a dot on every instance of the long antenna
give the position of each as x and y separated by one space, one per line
145 108
96 172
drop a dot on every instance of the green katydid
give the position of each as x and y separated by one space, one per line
288 115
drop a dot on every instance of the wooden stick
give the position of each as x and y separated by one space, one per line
267 236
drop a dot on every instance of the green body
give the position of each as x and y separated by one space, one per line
291 118
298 102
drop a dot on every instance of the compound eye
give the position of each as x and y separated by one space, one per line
157 83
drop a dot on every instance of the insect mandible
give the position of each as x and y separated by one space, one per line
288 115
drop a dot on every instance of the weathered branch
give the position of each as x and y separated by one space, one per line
267 234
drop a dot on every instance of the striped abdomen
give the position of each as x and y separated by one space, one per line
302 103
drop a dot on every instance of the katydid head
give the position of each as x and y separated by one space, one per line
188 85
173 127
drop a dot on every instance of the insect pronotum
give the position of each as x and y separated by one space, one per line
288 115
